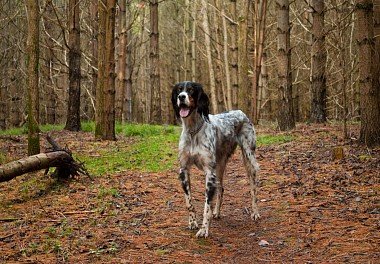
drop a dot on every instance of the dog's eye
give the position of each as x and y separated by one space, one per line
190 90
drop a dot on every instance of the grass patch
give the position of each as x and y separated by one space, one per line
24 130
150 148
264 140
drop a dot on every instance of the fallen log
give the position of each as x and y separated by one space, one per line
59 158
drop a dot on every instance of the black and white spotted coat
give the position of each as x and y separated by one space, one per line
207 141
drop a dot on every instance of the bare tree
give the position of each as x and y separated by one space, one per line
244 93
32 54
105 93
193 40
285 105
100 80
155 110
121 71
369 64
207 32
259 37
226 60
109 76
47 69
73 105
318 63
3 106
234 55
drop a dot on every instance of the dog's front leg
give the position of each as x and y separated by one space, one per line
207 213
185 182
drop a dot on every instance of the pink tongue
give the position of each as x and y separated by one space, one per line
184 112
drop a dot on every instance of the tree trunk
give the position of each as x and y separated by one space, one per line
109 76
206 29
60 158
3 106
100 87
193 40
226 61
219 73
48 68
368 74
73 109
122 60
94 53
33 163
318 64
127 103
155 102
33 76
285 105
259 36
234 56
266 97
186 41
245 99
376 66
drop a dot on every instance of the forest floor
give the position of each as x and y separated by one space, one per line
314 209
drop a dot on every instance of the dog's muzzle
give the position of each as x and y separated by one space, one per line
184 109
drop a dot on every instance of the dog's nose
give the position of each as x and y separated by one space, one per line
181 97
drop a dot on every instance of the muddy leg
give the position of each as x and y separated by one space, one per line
184 176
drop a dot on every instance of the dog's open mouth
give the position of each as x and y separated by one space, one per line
184 111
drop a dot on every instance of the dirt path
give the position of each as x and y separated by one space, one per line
313 208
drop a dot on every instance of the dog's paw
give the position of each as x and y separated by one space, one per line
203 232
193 225
255 216
216 215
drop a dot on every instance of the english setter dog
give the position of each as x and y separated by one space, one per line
208 141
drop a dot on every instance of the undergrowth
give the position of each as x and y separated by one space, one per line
149 148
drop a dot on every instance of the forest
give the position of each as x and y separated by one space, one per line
92 80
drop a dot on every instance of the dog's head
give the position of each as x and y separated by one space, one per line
189 96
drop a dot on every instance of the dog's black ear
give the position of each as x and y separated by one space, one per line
203 104
174 100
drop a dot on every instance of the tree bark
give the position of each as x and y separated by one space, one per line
219 49
155 102
33 163
122 60
206 29
100 84
368 74
193 40
48 67
94 52
186 40
285 105
33 51
318 63
245 92
3 104
109 76
259 36
73 105
226 61
234 55
127 103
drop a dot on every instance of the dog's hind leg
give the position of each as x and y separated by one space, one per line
247 142
184 177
